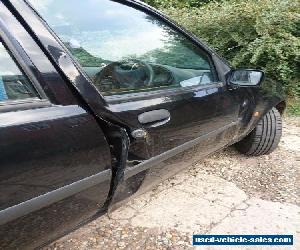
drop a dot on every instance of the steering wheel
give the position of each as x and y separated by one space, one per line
127 73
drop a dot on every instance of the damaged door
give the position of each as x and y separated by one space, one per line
158 83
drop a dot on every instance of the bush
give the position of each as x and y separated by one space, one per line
176 3
255 33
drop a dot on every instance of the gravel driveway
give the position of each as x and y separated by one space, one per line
227 193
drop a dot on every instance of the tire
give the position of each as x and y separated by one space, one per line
265 137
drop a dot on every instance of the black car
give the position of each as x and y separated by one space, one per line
94 94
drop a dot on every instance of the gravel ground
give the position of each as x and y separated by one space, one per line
226 193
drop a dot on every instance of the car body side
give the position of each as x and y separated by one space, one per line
129 174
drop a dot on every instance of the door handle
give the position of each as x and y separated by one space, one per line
158 117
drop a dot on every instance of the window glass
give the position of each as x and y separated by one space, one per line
14 85
125 50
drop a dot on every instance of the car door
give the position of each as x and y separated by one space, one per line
158 82
55 166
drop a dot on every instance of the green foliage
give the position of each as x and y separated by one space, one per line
176 3
85 58
255 33
293 107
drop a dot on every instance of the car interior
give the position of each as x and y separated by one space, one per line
130 75
13 84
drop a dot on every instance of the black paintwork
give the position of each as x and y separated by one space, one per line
53 147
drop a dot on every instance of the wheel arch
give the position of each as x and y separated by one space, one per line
281 106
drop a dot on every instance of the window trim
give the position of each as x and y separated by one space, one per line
23 62
23 104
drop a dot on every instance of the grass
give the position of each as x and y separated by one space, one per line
293 107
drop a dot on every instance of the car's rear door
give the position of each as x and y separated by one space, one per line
160 84
54 158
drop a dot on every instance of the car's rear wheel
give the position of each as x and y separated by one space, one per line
265 137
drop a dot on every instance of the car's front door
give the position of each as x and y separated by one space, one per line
162 85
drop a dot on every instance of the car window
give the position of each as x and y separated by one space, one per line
14 85
125 50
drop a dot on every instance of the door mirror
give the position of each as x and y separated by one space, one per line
246 78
